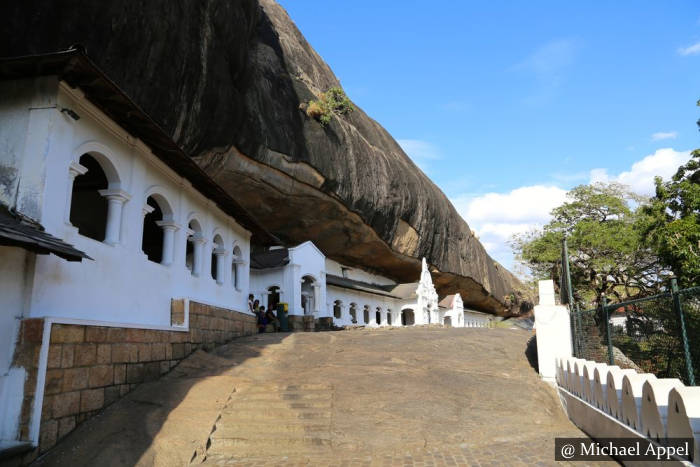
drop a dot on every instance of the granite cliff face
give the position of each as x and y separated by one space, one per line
226 80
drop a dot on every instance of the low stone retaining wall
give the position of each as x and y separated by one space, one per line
89 367
607 401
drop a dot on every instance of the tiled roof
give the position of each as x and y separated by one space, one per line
16 230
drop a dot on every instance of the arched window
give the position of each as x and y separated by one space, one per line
337 311
152 242
353 312
237 260
217 253
88 209
378 315
193 251
365 314
158 236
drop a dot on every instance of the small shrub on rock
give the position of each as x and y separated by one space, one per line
332 101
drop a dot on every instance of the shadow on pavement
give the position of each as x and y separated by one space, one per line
164 422
531 353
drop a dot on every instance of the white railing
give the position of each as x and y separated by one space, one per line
654 408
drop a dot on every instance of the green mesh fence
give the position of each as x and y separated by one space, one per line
689 300
649 335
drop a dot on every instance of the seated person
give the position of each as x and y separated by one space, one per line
260 315
271 318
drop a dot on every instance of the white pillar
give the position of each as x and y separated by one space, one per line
553 328
169 229
316 298
115 201
220 264
74 170
198 242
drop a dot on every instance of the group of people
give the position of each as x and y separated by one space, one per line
264 317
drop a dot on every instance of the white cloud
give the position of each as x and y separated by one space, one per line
690 50
550 58
496 217
421 152
640 178
664 135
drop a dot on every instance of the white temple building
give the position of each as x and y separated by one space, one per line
119 256
315 286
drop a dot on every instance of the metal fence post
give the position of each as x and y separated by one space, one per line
579 313
575 331
684 335
606 315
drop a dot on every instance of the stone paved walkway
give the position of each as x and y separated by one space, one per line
400 396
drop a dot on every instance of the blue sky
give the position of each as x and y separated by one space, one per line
506 105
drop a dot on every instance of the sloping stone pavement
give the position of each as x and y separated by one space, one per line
395 396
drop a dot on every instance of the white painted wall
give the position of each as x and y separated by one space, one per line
23 141
15 265
336 269
120 285
553 328
455 314
306 260
348 296
476 319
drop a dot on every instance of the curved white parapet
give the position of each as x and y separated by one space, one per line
632 384
614 391
654 410
570 373
684 416
559 374
587 381
577 385
599 385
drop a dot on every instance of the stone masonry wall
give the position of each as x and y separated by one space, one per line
90 367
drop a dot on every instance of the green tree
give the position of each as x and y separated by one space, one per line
672 222
606 251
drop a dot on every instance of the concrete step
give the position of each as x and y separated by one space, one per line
286 396
287 387
270 430
258 447
265 413
305 404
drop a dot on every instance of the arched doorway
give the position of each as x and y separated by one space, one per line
407 317
365 314
448 321
308 290
273 297
378 316
388 316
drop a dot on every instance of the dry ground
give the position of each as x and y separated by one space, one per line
396 396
